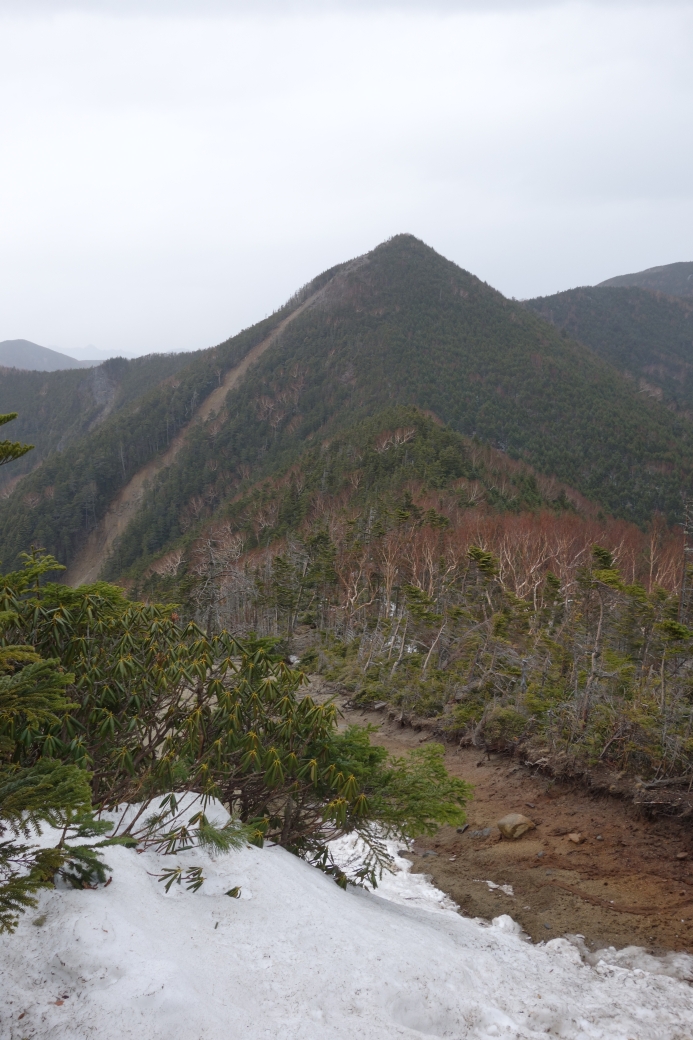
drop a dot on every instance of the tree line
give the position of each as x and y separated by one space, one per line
551 628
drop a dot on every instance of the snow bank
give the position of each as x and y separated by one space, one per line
677 965
296 957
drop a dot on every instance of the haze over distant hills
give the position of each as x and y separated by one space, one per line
672 279
22 353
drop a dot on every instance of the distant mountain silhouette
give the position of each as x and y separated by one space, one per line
672 279
22 353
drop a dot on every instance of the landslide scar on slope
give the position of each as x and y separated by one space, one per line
87 565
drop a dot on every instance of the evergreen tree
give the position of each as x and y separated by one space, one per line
9 450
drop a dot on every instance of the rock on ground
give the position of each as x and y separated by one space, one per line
514 825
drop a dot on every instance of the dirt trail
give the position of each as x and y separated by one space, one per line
88 563
626 887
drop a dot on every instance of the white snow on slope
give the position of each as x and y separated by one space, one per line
399 887
299 959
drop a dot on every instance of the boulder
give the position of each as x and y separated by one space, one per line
514 825
576 837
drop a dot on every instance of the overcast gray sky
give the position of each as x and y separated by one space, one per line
172 170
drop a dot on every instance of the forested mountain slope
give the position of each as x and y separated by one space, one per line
401 325
673 279
646 335
409 327
414 566
88 562
63 500
400 471
57 408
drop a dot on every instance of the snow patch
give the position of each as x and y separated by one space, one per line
635 958
506 924
298 958
402 887
508 889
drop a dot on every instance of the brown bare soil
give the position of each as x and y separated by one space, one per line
623 885
88 563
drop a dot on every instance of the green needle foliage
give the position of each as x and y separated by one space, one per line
9 451
104 701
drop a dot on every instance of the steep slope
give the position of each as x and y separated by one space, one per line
22 353
90 558
401 325
673 279
59 504
647 335
409 327
57 408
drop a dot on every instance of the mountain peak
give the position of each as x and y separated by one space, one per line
400 325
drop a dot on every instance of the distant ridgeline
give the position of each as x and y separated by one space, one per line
672 279
400 326
23 354
647 336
